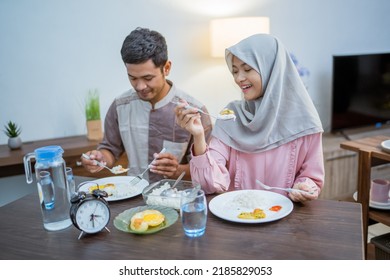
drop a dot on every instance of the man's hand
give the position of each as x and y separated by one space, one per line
102 156
165 164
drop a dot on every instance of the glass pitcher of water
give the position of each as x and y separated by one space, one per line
50 173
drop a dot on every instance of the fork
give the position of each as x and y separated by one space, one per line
112 170
199 110
140 176
289 190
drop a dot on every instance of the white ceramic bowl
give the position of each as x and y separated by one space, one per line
386 146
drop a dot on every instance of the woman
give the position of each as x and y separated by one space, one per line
277 135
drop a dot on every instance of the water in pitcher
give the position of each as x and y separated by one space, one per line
52 186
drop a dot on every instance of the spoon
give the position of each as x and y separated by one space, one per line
171 191
203 112
114 170
199 110
289 190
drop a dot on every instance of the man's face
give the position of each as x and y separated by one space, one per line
148 80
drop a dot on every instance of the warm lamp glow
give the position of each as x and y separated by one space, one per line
226 32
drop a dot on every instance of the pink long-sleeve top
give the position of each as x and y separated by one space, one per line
222 168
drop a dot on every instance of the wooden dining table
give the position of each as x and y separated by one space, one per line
317 230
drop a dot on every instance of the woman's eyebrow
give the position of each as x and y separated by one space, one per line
241 65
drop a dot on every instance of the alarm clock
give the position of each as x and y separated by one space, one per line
90 213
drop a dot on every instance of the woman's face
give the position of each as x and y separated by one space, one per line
248 79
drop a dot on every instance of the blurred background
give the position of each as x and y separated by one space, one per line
53 52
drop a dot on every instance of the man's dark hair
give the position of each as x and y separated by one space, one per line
143 44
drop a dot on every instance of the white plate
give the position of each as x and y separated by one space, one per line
122 186
226 206
386 145
376 205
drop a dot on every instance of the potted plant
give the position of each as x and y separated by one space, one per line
92 113
12 130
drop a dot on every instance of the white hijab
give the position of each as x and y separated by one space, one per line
284 113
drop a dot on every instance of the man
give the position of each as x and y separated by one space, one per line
142 121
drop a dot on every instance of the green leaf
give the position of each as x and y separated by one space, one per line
92 106
12 129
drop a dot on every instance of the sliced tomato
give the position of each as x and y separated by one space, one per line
275 208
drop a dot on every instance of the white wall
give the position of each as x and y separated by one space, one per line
52 52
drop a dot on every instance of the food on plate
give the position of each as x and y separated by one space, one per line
226 114
143 220
108 188
257 213
138 224
117 190
153 217
275 208
249 199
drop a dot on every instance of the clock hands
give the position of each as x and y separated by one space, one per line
92 219
93 216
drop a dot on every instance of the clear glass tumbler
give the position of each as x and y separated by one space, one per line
71 182
46 190
193 212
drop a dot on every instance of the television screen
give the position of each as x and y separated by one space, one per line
360 90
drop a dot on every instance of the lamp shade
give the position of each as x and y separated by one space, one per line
225 32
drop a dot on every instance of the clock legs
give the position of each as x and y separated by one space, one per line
82 233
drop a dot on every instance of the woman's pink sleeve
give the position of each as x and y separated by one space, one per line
210 169
312 170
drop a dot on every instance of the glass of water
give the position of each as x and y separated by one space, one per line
46 190
193 212
71 182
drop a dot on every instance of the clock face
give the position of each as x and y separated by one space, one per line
92 215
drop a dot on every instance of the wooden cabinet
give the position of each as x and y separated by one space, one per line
369 154
11 161
341 165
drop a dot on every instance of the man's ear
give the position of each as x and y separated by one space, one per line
167 68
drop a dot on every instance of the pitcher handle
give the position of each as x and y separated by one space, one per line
27 167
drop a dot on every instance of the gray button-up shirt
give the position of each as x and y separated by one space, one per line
133 126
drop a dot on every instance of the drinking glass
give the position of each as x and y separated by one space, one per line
193 212
46 190
71 182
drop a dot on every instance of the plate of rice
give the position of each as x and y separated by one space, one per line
117 187
244 206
